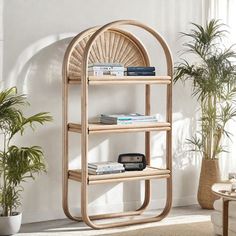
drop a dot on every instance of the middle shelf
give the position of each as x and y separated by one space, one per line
102 128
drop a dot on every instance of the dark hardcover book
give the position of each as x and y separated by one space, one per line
140 69
141 73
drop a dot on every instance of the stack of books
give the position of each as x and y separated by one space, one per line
132 118
101 168
101 69
141 71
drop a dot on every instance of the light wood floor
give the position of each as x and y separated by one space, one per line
178 215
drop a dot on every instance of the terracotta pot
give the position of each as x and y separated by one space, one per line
210 174
10 225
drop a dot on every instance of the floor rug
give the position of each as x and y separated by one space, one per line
190 229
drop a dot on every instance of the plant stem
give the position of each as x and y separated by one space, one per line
210 137
216 134
4 192
203 139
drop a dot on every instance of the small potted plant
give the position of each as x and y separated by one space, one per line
213 76
17 164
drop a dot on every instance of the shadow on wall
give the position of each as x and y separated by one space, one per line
37 73
186 164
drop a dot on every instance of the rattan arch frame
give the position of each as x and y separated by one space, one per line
84 132
143 60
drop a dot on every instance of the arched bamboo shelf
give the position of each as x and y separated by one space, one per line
111 44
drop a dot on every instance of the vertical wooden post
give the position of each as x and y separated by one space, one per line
225 216
84 139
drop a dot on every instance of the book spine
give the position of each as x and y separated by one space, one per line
106 168
102 73
117 73
141 69
124 122
104 68
100 165
105 172
141 73
118 122
95 73
116 118
105 65
145 120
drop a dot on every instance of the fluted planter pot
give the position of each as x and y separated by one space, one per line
210 174
10 225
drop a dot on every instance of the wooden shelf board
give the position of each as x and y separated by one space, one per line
100 80
102 128
148 173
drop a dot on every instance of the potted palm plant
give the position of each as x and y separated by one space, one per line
17 164
213 76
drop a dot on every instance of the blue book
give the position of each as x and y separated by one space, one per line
141 73
140 69
126 118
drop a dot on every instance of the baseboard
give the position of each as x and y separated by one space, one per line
50 214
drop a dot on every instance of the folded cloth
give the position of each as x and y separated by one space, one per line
216 219
232 207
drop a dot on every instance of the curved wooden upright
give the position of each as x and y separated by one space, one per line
109 44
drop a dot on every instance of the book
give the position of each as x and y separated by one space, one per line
94 172
141 73
112 122
105 168
102 69
98 168
127 122
105 65
128 116
131 118
106 68
140 69
104 164
102 73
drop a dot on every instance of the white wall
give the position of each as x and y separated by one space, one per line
35 38
1 39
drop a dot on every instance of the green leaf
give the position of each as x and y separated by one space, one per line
17 164
213 76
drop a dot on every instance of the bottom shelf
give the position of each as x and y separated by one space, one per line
147 173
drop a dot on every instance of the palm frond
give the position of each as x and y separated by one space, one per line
17 163
23 162
213 76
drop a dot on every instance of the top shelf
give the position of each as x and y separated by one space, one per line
100 80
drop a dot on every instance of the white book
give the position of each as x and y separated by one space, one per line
104 164
102 73
107 168
94 172
105 65
106 68
95 73
115 73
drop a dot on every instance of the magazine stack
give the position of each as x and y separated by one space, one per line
101 69
132 118
101 168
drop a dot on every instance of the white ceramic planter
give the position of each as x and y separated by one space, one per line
10 224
